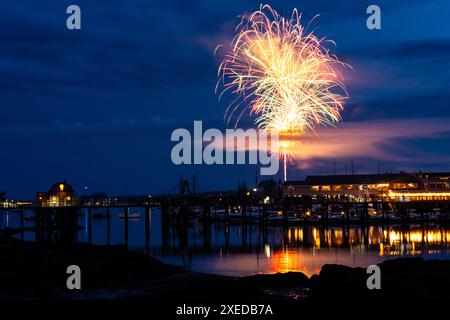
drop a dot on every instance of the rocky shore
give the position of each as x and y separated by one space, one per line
32 271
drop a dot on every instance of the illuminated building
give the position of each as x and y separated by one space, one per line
364 187
4 203
61 194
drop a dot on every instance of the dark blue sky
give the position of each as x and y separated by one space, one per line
97 106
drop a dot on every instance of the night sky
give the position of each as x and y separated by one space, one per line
97 106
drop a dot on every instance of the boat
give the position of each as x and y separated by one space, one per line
218 211
99 215
336 215
282 219
136 215
197 210
275 218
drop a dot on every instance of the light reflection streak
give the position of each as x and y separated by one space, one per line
387 242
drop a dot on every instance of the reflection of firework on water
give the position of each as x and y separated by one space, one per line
282 74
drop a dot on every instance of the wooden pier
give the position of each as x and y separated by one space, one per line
61 222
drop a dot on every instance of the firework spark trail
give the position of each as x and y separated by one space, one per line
283 75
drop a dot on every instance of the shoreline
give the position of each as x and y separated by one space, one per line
36 271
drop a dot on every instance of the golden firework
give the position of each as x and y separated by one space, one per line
282 74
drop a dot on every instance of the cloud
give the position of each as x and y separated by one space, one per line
41 55
421 49
129 125
140 68
387 140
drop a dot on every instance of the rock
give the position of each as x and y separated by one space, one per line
286 280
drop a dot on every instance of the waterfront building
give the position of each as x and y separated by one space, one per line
373 187
4 203
61 194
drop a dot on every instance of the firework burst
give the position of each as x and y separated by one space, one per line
282 74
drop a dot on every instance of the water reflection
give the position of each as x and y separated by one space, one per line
235 249
249 249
